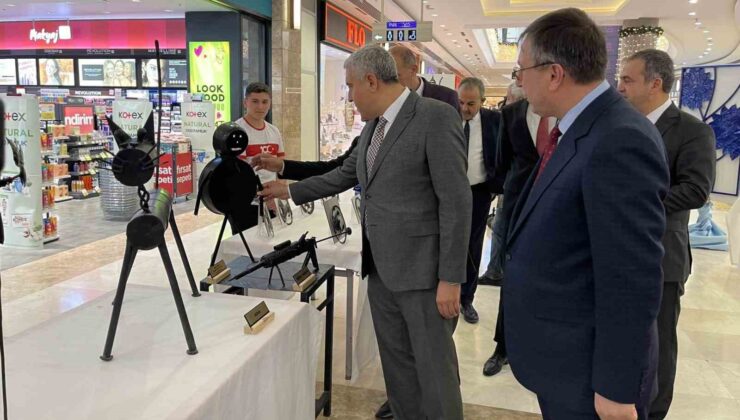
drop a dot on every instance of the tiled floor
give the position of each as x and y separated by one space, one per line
708 381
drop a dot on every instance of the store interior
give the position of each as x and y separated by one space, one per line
68 68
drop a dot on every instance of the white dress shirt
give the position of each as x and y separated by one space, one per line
476 164
658 112
420 89
391 113
533 123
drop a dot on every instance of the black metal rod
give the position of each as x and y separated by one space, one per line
246 245
128 262
159 110
329 342
218 242
178 298
282 280
183 255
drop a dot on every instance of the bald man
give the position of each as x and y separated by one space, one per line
408 70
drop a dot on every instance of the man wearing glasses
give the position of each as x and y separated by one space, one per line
583 254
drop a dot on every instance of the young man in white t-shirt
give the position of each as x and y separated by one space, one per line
263 136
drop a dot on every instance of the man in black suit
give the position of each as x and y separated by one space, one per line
408 70
480 127
522 136
584 251
646 81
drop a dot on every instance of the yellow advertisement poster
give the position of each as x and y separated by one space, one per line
210 75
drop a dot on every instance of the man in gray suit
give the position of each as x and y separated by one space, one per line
416 207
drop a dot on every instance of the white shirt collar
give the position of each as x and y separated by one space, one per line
420 89
658 112
391 113
474 119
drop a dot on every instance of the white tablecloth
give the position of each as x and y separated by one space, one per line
54 370
362 349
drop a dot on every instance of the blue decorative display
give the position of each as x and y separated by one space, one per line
726 126
697 88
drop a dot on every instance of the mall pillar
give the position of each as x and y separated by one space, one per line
215 27
286 77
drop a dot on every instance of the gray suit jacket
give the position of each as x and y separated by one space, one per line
690 146
416 203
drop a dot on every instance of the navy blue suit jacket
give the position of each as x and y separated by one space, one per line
441 93
583 270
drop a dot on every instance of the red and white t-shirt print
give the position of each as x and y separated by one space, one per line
265 140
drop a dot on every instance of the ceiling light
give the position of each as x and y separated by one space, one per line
11 5
434 15
697 23
449 33
167 10
454 40
710 38
693 1
136 1
706 31
442 26
692 13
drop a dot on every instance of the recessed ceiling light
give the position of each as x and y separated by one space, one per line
136 1
692 13
442 26
693 1
434 15
454 40
706 31
709 39
449 33
167 10
697 23
11 5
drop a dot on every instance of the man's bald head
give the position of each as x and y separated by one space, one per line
407 65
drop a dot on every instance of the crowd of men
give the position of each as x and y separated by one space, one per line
593 187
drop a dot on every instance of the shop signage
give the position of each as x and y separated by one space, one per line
210 76
343 30
131 114
93 35
410 31
182 173
198 124
78 117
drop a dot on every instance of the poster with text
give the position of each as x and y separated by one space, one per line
7 72
131 114
27 74
57 71
174 73
210 75
78 120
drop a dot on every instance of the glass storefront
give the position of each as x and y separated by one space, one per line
339 121
254 54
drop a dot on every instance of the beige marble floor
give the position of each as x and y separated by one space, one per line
708 381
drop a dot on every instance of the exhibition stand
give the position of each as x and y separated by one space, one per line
56 372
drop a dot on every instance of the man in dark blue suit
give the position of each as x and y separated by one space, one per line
584 252
407 65
480 127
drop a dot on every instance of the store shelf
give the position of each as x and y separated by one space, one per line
91 172
87 144
88 158
62 177
81 196
63 199
51 239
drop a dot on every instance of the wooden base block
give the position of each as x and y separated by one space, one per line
305 284
260 325
219 277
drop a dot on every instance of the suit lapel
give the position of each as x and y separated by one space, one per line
399 125
564 153
670 117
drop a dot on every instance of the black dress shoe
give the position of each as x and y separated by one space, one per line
494 364
384 412
495 279
469 313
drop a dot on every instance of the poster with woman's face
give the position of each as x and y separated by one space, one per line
174 73
110 72
57 71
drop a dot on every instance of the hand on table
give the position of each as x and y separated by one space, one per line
448 299
610 410
267 162
274 189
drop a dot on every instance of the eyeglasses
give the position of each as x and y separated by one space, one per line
517 71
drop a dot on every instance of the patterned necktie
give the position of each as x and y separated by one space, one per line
542 136
372 151
554 136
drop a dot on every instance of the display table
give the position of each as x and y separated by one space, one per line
347 256
54 370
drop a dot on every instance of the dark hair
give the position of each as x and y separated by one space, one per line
658 65
570 38
258 87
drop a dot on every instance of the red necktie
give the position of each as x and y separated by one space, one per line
543 136
551 146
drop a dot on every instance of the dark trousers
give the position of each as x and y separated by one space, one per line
670 309
556 410
496 263
481 205
499 336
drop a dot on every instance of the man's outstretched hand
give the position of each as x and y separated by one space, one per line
274 189
267 162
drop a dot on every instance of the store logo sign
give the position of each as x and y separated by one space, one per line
78 119
199 114
131 115
62 33
355 34
15 116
